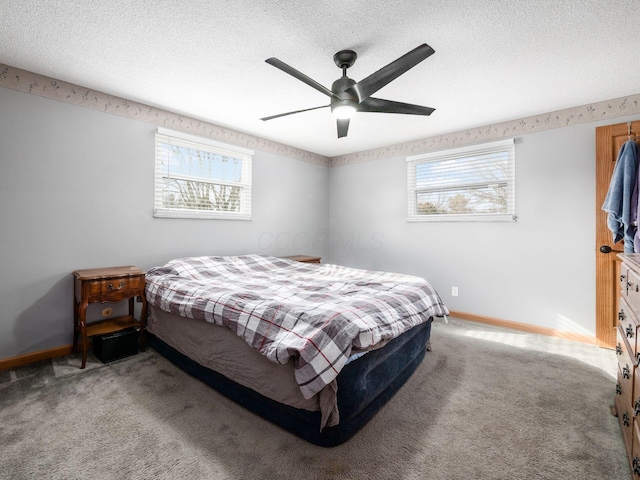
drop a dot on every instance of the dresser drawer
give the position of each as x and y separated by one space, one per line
635 460
627 322
624 279
625 418
633 290
635 399
624 390
626 362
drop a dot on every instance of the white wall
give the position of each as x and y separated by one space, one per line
76 191
539 270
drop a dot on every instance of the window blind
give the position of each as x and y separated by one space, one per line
464 184
196 177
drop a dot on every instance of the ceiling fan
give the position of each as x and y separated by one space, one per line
349 96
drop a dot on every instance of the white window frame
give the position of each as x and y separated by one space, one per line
460 154
164 135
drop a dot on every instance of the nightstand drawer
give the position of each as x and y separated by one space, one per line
114 288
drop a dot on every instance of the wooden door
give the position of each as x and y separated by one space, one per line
609 139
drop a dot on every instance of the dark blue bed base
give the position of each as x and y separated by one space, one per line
364 386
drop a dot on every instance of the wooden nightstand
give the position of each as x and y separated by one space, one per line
304 258
111 285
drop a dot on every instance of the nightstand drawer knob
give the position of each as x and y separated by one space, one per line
621 315
636 407
636 465
618 349
119 287
618 389
625 419
626 372
629 331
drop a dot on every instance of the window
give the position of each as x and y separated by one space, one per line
201 178
474 183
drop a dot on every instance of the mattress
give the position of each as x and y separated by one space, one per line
221 350
270 390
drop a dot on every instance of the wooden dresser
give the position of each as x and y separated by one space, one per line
627 397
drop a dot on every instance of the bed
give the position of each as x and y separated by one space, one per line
316 349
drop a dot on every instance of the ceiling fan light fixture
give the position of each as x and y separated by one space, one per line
344 109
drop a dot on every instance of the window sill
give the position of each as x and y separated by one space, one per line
200 215
501 217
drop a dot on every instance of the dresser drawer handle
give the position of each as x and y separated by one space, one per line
618 349
618 389
625 419
622 277
119 287
626 372
636 407
636 465
621 315
629 331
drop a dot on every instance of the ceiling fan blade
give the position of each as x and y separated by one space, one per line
299 75
372 104
343 127
374 82
291 113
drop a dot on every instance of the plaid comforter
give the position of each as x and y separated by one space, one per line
313 315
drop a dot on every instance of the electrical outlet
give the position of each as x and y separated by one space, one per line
454 291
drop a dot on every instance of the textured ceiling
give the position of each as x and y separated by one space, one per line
495 60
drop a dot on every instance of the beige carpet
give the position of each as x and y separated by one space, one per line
487 403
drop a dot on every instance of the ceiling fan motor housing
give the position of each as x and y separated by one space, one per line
341 97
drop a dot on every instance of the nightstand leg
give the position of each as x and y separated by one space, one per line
75 325
143 321
82 317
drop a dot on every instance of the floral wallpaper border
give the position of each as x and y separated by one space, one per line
28 82
618 107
